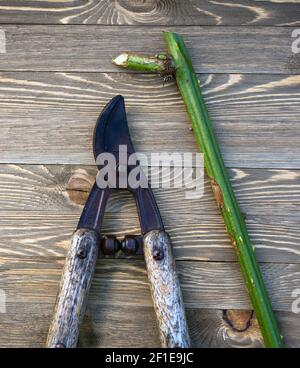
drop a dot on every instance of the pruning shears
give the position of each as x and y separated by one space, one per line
111 135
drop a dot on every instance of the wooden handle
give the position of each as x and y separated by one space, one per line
74 288
165 290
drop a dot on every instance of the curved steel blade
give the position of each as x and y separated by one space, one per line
111 129
110 132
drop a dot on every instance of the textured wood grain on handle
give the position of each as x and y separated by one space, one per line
165 290
74 288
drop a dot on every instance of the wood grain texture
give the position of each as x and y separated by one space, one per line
213 49
73 291
116 312
63 189
62 108
201 237
110 326
151 12
165 290
209 328
48 118
209 285
41 205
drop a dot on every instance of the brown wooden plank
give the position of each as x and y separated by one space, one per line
161 12
194 237
213 49
110 326
254 116
41 206
209 285
120 304
208 328
64 189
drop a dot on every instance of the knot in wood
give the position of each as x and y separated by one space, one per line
238 320
79 186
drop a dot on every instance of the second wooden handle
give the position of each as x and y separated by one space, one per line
74 288
165 290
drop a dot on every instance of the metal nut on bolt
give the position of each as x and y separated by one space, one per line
130 245
158 254
110 245
81 253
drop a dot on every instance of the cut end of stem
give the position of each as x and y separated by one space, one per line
121 60
143 63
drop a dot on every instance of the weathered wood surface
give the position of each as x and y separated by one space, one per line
72 298
107 326
120 304
63 189
81 48
61 110
40 206
54 81
208 328
209 285
162 12
31 287
165 290
201 237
